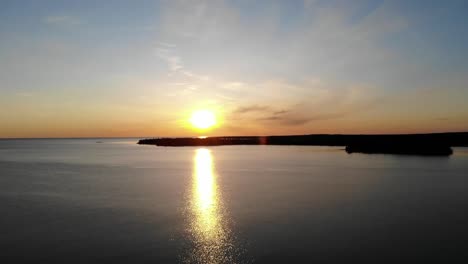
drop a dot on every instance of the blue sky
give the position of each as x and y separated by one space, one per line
131 68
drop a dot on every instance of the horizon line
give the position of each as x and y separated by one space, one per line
137 137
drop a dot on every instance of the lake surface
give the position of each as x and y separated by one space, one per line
79 201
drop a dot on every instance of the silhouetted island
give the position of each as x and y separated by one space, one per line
438 144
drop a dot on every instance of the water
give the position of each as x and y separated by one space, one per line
79 201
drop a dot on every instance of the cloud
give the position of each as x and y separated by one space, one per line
322 103
280 112
298 119
174 63
167 53
323 40
62 20
252 108
165 44
270 114
254 61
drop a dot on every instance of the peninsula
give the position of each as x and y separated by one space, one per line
435 144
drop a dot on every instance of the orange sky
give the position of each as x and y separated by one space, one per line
269 68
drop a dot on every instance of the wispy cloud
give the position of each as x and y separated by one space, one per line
298 119
319 104
165 45
63 20
268 114
252 108
174 63
167 53
280 112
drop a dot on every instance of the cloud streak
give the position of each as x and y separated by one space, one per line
252 108
63 20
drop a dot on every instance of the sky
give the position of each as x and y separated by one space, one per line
140 68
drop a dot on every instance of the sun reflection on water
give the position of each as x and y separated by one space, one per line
208 228
206 200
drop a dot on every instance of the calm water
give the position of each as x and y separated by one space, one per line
78 201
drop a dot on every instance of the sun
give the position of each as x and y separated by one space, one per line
203 119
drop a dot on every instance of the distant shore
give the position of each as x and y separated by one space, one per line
438 144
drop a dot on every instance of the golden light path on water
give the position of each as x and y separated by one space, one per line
206 197
211 237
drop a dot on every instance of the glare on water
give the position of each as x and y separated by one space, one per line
205 197
210 234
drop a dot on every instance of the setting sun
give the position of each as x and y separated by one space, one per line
203 119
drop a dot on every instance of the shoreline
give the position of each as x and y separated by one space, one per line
436 144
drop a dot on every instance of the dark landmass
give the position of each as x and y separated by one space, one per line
410 144
400 148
